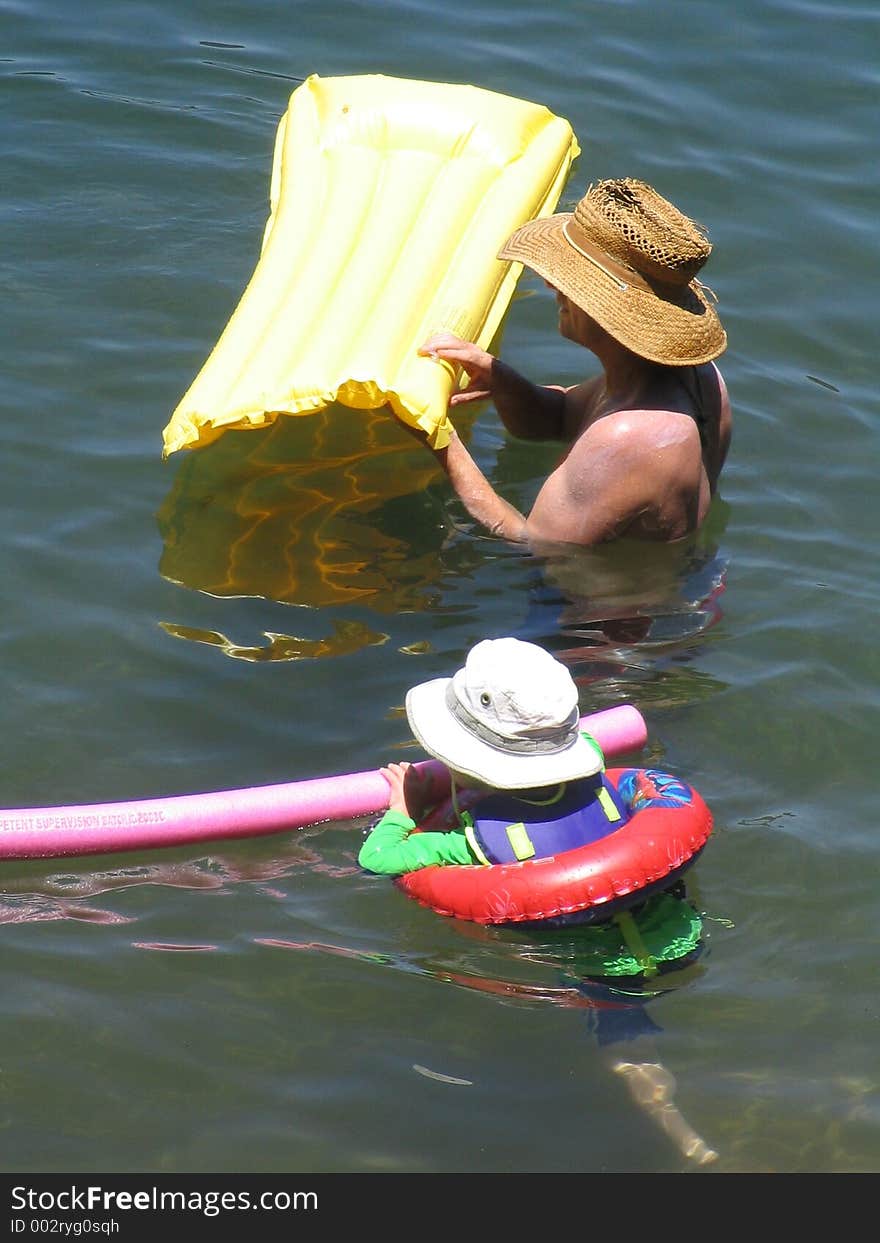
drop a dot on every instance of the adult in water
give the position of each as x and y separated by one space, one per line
647 437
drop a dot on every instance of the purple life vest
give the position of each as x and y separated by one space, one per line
508 828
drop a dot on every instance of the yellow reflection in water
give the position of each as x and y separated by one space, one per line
347 637
297 513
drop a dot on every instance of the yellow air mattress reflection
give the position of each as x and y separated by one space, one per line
390 199
315 512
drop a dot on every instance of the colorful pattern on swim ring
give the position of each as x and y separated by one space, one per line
648 787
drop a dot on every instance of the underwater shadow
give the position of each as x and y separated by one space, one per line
631 618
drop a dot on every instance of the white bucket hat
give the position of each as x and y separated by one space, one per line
509 718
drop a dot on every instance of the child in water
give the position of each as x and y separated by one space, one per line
507 726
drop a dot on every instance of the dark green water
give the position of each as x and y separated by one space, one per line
203 623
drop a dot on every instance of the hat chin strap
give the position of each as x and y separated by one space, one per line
551 741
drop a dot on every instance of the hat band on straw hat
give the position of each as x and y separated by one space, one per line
549 744
622 276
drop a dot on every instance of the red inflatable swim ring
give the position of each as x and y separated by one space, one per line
669 825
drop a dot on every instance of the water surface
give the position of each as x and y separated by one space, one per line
253 614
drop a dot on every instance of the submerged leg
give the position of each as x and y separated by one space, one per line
652 1087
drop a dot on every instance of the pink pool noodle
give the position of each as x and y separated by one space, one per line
99 828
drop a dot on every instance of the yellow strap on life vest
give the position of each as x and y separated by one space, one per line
606 802
522 845
520 842
634 943
471 836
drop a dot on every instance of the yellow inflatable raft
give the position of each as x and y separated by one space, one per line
390 199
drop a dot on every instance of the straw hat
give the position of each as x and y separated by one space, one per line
629 259
509 718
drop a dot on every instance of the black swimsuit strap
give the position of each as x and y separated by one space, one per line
698 399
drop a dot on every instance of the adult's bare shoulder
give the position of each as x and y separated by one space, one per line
631 472
639 434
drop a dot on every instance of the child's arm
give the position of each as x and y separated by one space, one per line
409 792
392 848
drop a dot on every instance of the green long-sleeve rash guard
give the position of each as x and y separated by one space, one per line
392 848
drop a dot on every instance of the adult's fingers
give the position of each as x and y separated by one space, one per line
467 395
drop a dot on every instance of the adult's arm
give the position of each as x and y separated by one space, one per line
529 411
477 495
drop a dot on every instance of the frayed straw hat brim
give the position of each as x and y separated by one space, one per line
673 325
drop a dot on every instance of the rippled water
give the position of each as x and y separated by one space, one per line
255 613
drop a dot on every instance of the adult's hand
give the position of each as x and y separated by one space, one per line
476 363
